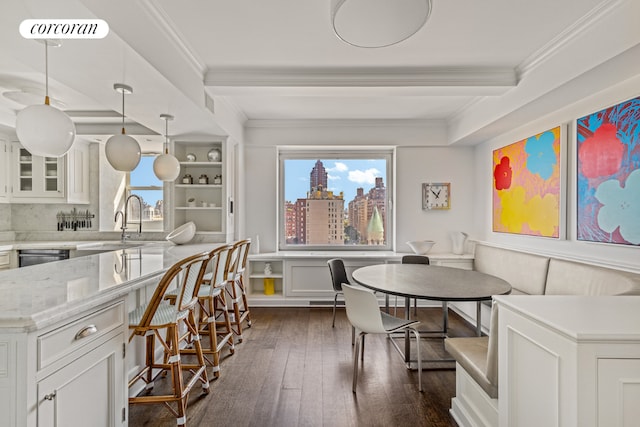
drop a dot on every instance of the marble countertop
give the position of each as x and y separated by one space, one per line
37 296
72 245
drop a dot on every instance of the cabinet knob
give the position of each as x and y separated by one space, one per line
86 331
50 396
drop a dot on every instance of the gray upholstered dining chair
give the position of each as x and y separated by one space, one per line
364 315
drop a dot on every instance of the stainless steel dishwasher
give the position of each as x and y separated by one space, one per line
27 257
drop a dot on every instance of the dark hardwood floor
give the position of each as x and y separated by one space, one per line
293 369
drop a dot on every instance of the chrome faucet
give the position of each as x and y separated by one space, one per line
123 225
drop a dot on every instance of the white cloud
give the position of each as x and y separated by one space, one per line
333 177
364 177
338 167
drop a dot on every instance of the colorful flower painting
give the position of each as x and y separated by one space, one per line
609 174
526 186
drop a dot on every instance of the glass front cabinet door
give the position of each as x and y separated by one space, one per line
36 176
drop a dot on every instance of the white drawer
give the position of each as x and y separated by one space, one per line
5 260
68 338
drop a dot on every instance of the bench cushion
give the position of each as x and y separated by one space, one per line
575 278
471 354
526 273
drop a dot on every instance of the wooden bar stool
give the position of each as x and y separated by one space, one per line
235 288
178 320
211 323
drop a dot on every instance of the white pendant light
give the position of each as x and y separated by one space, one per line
165 166
123 152
378 23
42 129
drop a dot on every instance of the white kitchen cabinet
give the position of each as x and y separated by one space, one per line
77 178
569 361
5 260
69 374
86 391
37 179
5 151
200 191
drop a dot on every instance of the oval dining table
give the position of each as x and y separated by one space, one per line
431 282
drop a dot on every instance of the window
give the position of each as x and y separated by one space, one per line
335 198
143 182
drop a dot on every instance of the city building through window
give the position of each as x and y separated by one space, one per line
335 199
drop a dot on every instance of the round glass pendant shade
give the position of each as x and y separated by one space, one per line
123 152
166 167
378 23
45 131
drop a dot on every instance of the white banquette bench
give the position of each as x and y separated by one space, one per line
476 400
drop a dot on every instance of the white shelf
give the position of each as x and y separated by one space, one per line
199 208
199 186
266 276
201 163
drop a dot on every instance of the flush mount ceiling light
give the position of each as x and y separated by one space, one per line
165 166
123 152
42 129
378 23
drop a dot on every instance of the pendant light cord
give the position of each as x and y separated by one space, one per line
166 135
46 72
123 111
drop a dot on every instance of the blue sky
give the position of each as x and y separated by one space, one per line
343 175
143 175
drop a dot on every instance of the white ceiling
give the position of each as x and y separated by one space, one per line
276 60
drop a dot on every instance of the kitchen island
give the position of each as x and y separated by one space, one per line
63 334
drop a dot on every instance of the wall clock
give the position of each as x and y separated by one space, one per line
436 195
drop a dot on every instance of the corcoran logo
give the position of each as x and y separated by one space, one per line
64 29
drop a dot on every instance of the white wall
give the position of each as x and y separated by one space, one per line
627 257
420 157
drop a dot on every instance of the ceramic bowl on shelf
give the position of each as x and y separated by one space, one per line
191 157
214 155
182 234
421 247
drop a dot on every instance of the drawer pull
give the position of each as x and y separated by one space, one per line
86 331
50 396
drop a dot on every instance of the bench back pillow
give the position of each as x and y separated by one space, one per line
575 278
526 273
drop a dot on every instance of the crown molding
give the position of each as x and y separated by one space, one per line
345 123
165 24
574 31
321 77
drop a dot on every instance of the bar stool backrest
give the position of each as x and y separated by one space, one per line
240 253
221 269
189 272
191 281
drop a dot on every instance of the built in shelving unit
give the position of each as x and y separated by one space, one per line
257 276
202 197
